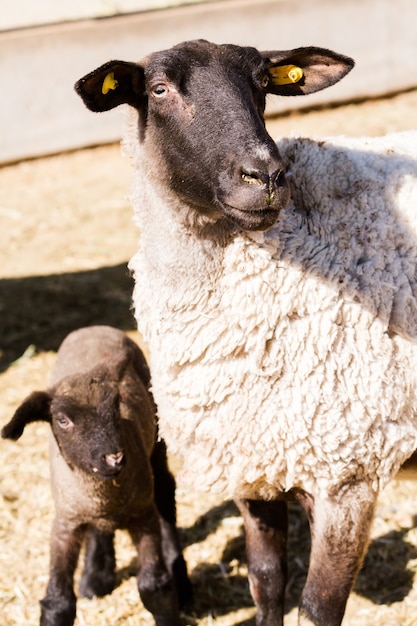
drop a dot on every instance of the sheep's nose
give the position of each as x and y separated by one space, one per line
117 459
263 178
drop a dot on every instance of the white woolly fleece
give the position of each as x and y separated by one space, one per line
288 358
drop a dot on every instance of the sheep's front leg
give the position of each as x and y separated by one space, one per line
58 607
99 575
339 527
155 583
266 526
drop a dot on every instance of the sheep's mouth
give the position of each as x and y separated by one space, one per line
252 219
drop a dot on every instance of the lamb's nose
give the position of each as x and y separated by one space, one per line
117 459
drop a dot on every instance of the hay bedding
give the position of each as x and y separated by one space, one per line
65 237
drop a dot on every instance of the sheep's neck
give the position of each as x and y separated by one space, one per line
176 238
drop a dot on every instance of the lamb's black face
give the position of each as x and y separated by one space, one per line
201 109
88 433
209 100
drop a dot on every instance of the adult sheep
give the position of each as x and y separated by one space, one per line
282 336
107 472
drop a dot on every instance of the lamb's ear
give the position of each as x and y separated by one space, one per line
305 70
111 84
35 408
118 363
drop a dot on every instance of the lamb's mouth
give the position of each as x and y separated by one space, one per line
253 219
107 474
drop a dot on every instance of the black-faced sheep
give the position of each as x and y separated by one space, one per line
107 472
282 336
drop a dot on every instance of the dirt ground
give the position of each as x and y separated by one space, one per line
66 235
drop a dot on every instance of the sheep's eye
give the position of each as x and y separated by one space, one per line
265 81
64 421
159 91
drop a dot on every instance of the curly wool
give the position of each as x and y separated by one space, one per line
287 359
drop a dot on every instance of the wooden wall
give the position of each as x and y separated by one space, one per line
39 62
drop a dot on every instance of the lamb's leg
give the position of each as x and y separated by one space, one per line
339 527
99 576
155 583
266 526
164 486
58 607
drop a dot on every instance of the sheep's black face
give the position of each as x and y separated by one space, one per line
209 101
89 433
201 110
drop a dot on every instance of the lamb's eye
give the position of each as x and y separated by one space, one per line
64 421
159 91
265 81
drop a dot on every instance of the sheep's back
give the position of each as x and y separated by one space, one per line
359 197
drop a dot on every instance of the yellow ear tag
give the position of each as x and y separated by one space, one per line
109 83
286 74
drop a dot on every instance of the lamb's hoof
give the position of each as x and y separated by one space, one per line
96 585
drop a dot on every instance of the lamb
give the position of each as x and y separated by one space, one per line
107 472
281 333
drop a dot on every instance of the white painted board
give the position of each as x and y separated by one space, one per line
41 114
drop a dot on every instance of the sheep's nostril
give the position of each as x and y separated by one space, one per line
279 178
264 179
251 178
115 460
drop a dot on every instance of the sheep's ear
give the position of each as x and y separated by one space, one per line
111 84
35 408
305 70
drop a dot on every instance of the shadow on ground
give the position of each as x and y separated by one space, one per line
385 577
40 311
